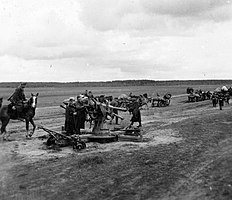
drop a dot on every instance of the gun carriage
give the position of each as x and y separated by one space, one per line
62 140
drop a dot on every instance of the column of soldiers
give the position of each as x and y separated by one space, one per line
220 98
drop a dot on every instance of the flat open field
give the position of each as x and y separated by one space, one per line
186 153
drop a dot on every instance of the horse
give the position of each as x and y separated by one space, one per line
144 100
28 113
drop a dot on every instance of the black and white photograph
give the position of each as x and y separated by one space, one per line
115 99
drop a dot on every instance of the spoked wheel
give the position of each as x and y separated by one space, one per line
79 145
51 141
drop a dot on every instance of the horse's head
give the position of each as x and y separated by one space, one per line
33 100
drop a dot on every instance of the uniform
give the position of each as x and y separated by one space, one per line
17 98
69 118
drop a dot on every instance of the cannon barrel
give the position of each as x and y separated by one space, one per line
122 118
109 106
104 105
62 106
116 108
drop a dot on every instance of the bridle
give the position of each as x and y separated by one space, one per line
32 102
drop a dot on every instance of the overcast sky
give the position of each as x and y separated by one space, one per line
101 40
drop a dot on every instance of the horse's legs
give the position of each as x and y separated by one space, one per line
27 127
5 136
34 126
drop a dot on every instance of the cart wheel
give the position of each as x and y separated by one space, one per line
79 146
51 141
83 145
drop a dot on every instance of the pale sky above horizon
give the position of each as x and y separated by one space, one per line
102 40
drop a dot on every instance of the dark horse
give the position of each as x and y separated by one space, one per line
6 113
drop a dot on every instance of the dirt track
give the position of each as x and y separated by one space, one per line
186 155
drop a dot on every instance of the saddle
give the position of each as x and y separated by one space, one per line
16 111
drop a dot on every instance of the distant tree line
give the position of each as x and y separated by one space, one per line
118 83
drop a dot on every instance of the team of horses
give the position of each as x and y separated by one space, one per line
198 95
218 96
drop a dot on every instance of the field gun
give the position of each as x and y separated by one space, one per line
120 117
101 112
60 139
108 105
98 113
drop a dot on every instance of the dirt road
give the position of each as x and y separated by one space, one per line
186 154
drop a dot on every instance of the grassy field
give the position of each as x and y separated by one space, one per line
53 96
185 154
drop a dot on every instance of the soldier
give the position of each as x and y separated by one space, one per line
114 103
18 99
90 94
86 93
136 114
79 116
214 99
69 117
220 100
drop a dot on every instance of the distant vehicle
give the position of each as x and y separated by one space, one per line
162 102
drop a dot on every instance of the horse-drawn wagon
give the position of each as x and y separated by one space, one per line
162 102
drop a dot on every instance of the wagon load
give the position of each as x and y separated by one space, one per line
224 89
218 89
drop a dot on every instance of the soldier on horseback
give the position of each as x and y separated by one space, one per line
18 98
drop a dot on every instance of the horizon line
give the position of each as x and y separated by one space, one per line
164 80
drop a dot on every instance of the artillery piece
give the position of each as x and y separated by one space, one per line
101 132
62 140
98 113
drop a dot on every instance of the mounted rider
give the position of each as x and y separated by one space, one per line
18 98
